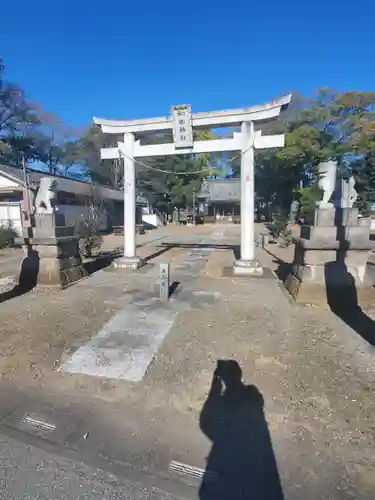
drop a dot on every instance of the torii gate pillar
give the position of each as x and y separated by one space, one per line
130 259
247 263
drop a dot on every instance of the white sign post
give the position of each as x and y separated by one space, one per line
182 123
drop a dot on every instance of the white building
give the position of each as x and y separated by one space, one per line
71 199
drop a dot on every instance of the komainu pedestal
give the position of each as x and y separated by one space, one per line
331 253
60 263
54 252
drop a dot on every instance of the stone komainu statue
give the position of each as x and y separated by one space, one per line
45 198
352 192
327 181
336 192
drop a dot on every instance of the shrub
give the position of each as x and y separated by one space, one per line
286 237
88 242
279 231
309 196
90 238
278 225
7 235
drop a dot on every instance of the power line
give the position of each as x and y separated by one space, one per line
149 167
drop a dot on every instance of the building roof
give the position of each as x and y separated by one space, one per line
16 175
221 190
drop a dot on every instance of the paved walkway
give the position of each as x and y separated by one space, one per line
304 424
28 472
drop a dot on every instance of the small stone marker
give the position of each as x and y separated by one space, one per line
164 281
264 239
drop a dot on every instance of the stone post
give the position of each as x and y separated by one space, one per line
247 265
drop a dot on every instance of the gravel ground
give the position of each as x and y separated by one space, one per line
313 372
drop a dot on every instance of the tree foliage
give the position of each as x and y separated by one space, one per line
364 173
330 125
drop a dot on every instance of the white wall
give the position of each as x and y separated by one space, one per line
152 220
10 214
4 182
75 214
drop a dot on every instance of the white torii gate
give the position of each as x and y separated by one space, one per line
246 141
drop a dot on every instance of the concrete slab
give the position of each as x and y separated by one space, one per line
125 346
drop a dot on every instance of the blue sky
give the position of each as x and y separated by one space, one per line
127 59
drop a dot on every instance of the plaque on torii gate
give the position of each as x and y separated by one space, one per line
250 138
182 127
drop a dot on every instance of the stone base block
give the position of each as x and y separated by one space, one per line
247 268
58 272
304 292
51 225
332 273
364 222
316 271
324 216
329 216
332 237
52 262
128 263
337 266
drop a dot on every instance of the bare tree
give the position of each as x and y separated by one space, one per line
90 237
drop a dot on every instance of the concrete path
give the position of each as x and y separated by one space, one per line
28 472
126 345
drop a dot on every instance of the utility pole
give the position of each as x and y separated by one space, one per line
27 226
194 207
26 190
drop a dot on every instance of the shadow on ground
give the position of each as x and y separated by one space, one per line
341 292
283 268
101 261
156 254
343 300
27 278
241 463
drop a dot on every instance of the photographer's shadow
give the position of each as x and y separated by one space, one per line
241 463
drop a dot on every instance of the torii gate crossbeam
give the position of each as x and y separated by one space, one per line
246 141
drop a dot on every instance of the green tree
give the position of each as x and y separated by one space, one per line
328 126
364 173
169 181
